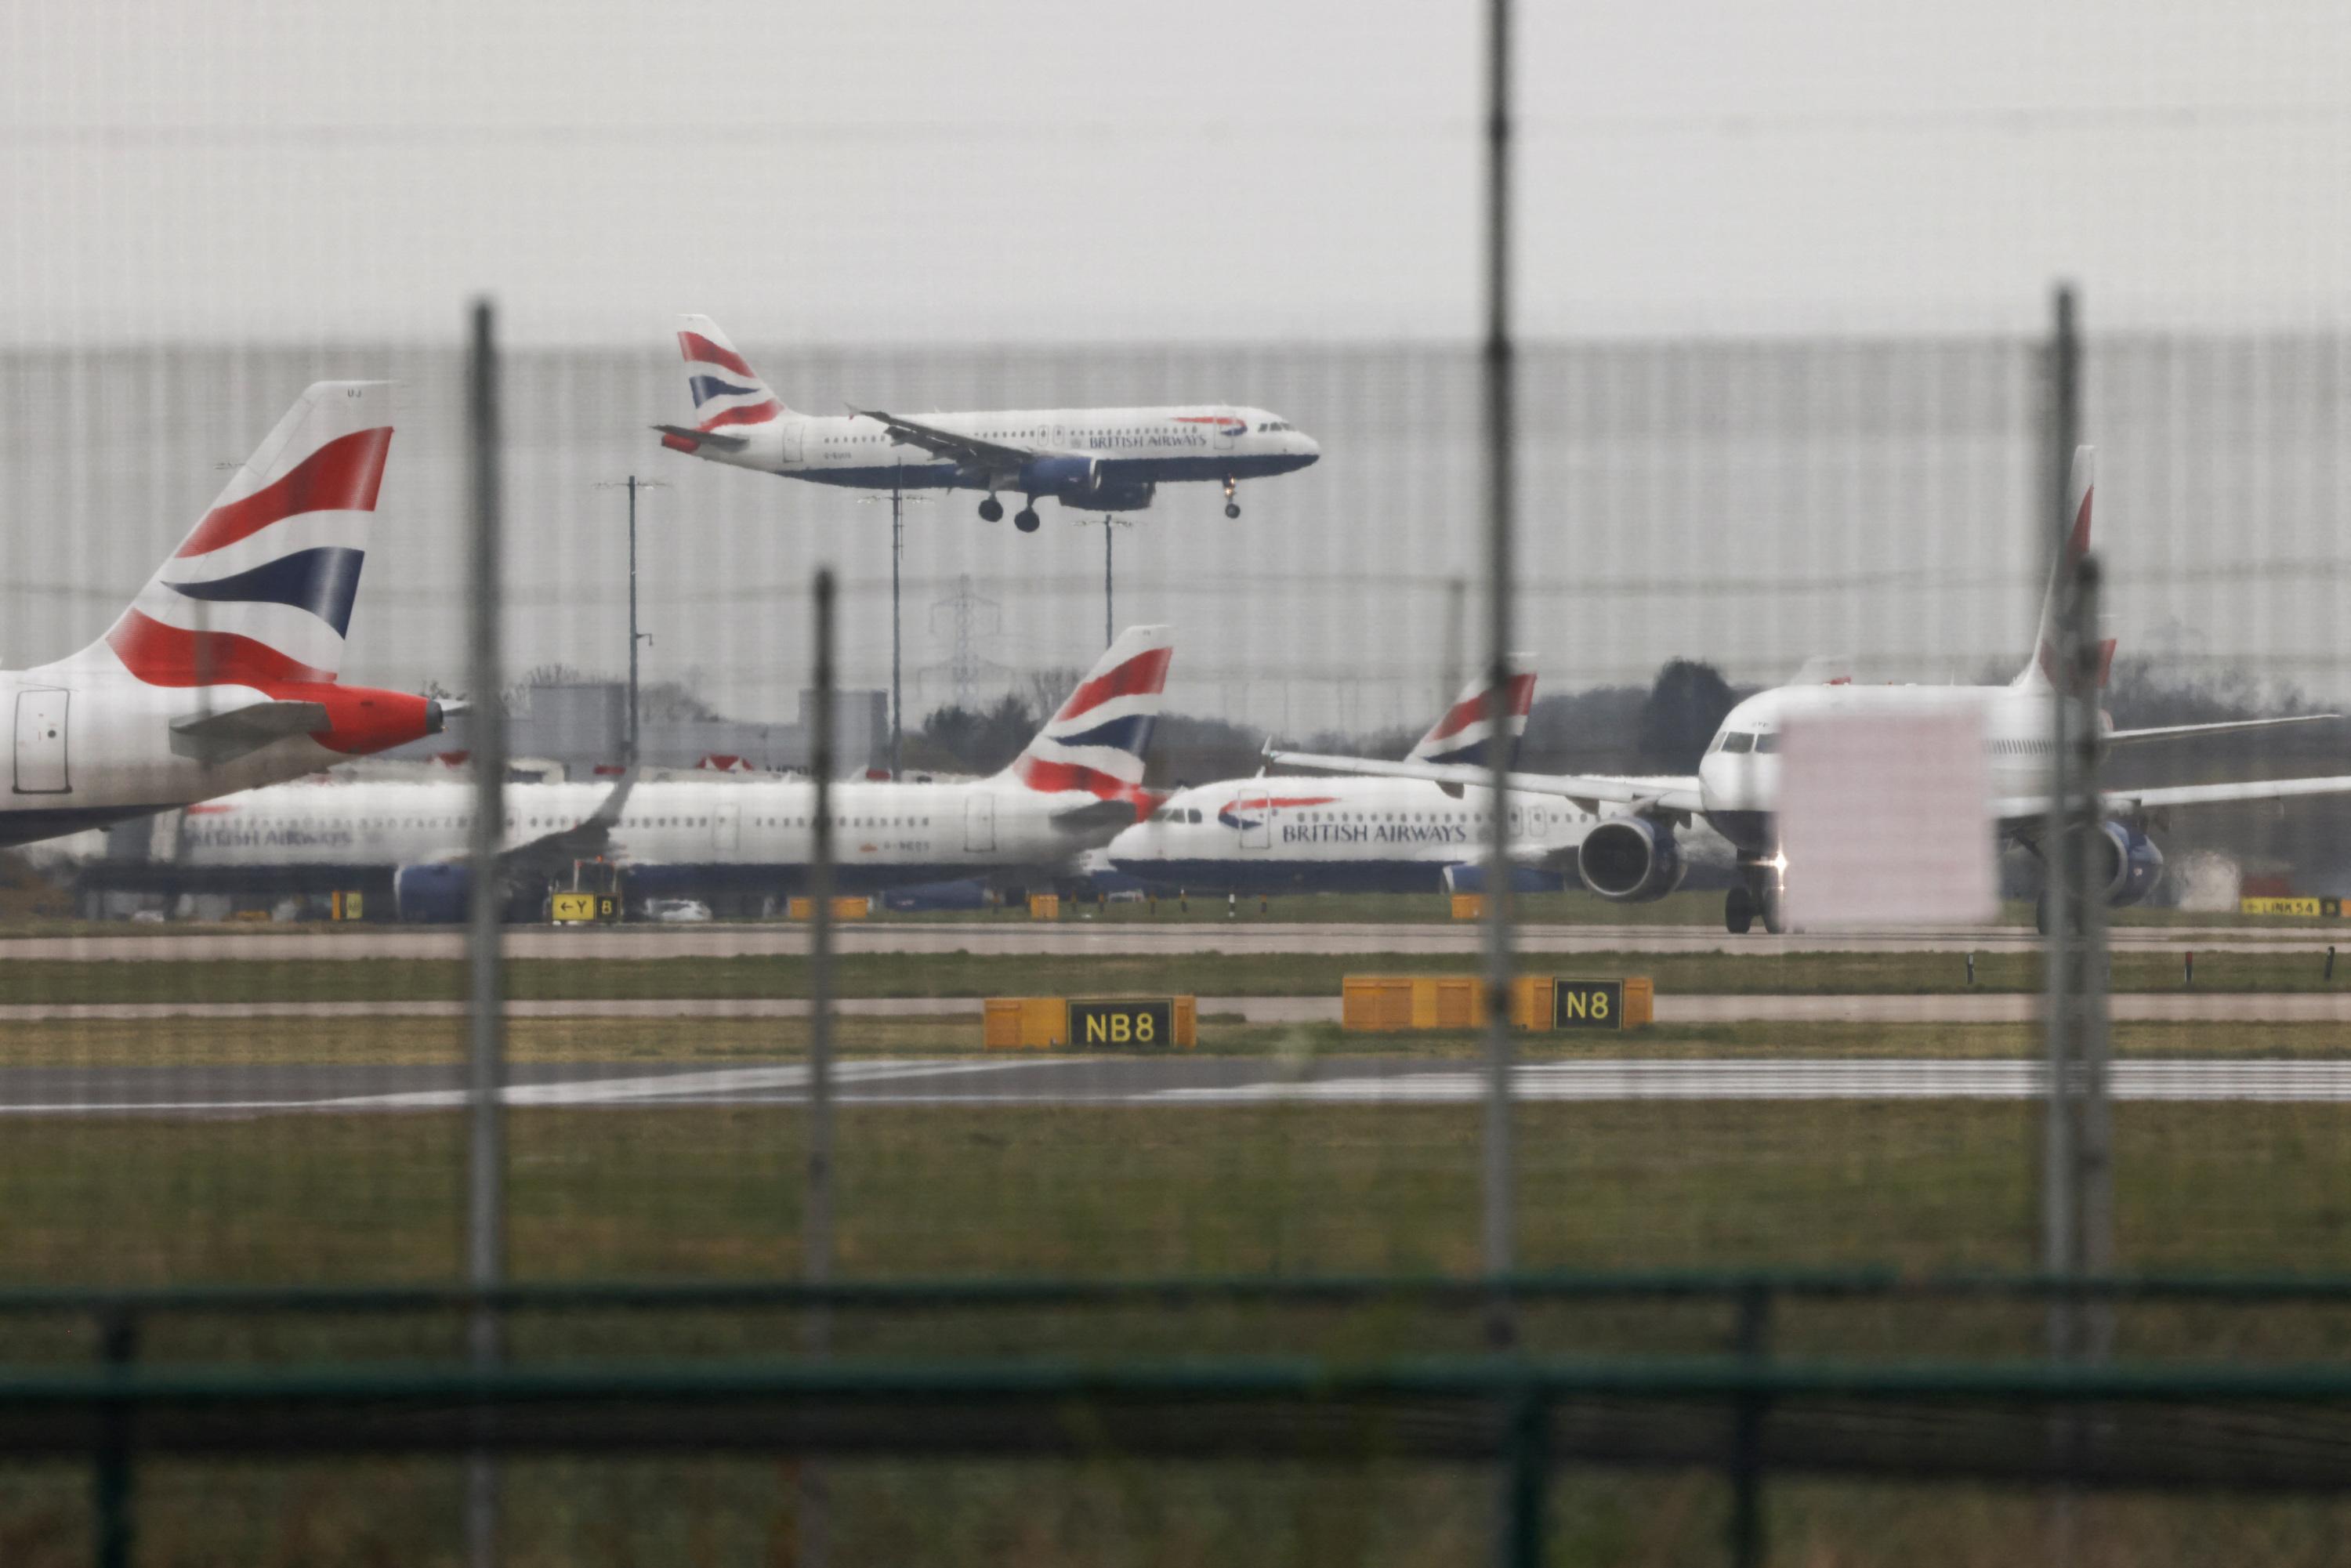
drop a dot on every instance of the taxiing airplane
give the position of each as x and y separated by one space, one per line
1089 459
221 675
1636 856
1300 833
738 842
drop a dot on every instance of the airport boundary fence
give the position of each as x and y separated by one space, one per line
237 1194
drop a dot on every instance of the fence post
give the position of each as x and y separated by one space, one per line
117 1329
1527 1479
1751 1341
816 1224
1500 494
486 1238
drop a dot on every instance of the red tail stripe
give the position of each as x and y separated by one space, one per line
1054 777
701 350
757 414
1144 674
165 655
2078 545
343 475
1470 709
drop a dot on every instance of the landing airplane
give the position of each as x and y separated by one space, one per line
1299 833
1636 856
1074 786
221 675
1089 459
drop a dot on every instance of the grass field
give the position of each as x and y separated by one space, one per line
220 1042
1024 1190
924 1193
1208 974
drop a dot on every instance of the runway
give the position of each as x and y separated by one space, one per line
1081 938
1945 1007
1171 1082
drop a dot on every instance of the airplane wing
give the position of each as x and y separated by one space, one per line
1096 816
696 438
219 737
969 450
2023 813
552 853
2173 731
1665 793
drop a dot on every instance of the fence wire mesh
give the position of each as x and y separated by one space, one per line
1114 1180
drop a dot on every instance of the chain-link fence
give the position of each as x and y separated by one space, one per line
689 956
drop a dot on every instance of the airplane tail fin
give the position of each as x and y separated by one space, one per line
726 390
1095 742
1459 736
2081 490
261 588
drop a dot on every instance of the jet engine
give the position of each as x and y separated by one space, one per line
1114 496
2125 862
1065 476
436 894
1630 860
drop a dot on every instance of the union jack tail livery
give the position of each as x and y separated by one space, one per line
727 392
2080 491
259 594
1095 743
1459 736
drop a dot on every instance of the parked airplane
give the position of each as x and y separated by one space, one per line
1297 834
221 673
1075 785
1638 856
1091 459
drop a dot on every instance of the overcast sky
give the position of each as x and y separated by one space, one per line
882 183
935 170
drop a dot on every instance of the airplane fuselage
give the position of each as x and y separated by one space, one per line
1738 777
1300 834
1097 459
681 838
91 747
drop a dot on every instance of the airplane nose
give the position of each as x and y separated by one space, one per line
1308 448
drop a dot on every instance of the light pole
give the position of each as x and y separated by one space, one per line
898 502
632 485
1109 615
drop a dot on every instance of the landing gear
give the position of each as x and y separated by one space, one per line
1755 897
991 510
1232 507
1026 519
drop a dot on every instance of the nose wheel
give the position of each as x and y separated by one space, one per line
1232 507
991 510
1755 897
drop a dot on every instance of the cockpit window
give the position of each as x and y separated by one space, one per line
1192 816
1768 741
1739 740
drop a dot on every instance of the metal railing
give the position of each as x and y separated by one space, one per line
1745 1413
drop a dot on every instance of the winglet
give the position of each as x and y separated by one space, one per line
2040 670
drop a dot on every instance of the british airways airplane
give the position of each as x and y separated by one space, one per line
1074 786
1635 855
1300 833
1089 459
221 674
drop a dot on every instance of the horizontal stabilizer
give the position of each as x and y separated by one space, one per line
681 438
1099 816
2223 727
219 736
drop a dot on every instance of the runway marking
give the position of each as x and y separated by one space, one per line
1127 1081
2267 1081
719 1084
